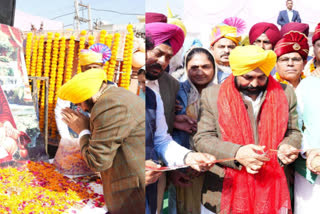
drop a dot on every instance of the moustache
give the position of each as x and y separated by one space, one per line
150 75
224 54
154 66
250 90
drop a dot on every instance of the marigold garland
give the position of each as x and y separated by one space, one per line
39 68
312 67
46 74
28 52
113 59
127 59
103 34
108 42
70 56
34 56
279 79
38 188
81 46
59 79
52 81
90 40
60 70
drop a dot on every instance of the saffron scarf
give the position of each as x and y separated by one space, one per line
266 191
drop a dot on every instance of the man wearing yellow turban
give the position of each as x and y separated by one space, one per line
249 115
94 57
225 37
112 140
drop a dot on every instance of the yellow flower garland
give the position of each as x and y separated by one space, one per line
46 74
59 79
81 46
60 70
53 79
113 59
312 67
103 34
127 59
34 56
39 68
279 79
90 40
69 66
108 42
28 52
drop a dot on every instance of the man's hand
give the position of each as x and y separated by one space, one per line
75 120
251 156
311 154
185 123
178 107
179 179
200 161
151 176
287 154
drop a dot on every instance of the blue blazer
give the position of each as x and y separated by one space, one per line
284 19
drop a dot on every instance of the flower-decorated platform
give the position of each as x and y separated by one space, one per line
36 187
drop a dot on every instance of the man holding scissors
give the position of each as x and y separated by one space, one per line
248 115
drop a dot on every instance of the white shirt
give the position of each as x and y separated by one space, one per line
62 127
290 15
255 104
170 151
154 85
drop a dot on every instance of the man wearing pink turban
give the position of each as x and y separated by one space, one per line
265 35
167 40
170 34
295 26
161 91
155 17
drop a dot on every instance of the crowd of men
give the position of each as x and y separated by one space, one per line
249 108
240 122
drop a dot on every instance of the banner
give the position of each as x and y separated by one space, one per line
20 137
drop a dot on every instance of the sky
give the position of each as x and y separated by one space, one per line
176 6
54 8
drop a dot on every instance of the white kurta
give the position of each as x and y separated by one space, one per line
306 195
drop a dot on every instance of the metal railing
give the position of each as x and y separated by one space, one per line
34 94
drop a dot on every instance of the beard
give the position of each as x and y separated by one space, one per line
90 104
249 90
152 76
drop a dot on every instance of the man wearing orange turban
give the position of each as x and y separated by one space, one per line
112 140
252 118
225 37
292 52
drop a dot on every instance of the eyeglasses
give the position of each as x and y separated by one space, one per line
285 60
